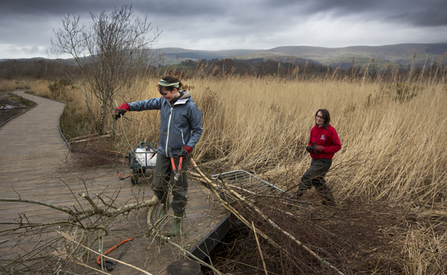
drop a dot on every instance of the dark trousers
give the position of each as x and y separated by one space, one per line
314 176
163 183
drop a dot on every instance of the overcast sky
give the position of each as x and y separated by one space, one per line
27 27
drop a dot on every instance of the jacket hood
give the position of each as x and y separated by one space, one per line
185 94
183 98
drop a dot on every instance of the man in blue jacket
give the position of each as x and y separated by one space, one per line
180 130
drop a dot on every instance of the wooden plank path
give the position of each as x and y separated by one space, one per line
35 164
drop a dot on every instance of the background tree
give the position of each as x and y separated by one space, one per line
110 53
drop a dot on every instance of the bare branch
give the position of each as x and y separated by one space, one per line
72 239
63 209
253 207
110 53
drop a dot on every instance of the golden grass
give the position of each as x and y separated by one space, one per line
11 84
423 250
392 144
392 136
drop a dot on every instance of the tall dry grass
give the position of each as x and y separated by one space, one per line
392 136
12 84
392 133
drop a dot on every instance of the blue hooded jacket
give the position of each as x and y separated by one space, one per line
181 124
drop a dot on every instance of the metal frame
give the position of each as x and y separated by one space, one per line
248 181
133 162
245 180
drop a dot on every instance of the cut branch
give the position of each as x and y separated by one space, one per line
253 207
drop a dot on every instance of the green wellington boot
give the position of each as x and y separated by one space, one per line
164 209
177 226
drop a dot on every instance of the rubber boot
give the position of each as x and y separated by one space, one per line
328 200
326 194
177 227
164 209
299 193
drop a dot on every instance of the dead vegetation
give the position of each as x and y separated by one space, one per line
94 151
356 238
63 242
388 179
11 105
294 237
304 237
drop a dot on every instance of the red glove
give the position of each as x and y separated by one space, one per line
319 149
186 150
121 110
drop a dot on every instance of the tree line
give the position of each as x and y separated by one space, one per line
60 69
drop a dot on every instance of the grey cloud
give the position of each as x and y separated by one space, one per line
426 18
25 29
414 12
180 8
29 51
169 12
46 7
167 8
33 50
245 23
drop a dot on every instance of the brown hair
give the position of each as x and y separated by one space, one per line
326 117
169 79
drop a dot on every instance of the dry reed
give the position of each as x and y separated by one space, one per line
391 134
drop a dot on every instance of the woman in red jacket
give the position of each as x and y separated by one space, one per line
323 143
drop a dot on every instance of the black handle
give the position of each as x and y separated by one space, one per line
110 265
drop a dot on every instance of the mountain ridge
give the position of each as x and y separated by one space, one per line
404 55
397 55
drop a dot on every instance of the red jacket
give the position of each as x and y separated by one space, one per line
328 138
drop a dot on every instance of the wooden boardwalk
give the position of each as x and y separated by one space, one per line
35 165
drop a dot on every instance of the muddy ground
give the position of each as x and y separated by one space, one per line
12 105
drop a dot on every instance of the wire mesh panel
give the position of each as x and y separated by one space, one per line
244 180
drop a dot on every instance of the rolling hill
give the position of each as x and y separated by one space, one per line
398 55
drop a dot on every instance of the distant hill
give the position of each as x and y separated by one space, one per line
399 55
177 55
